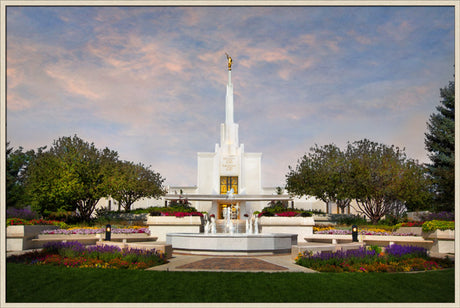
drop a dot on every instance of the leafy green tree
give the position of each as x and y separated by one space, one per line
70 176
323 173
440 144
384 180
17 162
130 182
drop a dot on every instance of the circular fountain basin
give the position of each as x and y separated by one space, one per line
231 244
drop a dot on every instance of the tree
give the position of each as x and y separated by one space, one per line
130 182
71 176
440 144
17 162
324 174
384 180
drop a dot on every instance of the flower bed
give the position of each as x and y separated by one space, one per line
181 214
410 224
286 214
362 232
98 230
396 258
74 254
438 225
33 222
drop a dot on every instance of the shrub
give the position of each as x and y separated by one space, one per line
68 217
438 225
351 219
25 213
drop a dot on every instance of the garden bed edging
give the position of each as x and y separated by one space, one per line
302 226
159 226
19 237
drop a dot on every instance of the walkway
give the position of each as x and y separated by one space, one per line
194 263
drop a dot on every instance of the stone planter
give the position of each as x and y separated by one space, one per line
86 239
159 226
443 240
414 230
19 237
302 226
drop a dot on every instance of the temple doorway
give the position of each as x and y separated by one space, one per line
222 210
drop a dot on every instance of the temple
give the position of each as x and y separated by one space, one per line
229 177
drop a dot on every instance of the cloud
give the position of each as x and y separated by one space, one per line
149 82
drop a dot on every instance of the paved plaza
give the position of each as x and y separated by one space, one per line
274 264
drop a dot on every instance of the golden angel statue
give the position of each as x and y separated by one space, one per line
229 59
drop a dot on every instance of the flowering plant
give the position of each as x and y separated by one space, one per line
362 232
19 221
75 254
25 213
287 214
182 214
395 259
438 225
412 224
98 230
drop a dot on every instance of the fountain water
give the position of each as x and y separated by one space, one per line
231 241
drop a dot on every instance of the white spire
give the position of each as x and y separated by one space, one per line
229 100
229 129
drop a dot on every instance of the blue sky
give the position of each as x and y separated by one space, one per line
149 82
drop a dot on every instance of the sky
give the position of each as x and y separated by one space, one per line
150 82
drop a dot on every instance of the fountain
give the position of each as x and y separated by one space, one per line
231 242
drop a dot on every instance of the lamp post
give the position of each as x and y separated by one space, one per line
354 233
108 232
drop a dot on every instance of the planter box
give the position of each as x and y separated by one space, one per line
86 239
302 226
20 237
379 240
415 230
444 240
159 226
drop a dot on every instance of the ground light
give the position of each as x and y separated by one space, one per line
108 232
354 233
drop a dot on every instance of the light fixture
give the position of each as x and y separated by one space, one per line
354 233
108 232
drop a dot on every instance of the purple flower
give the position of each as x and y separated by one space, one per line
400 250
25 213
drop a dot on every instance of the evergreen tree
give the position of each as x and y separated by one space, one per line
440 144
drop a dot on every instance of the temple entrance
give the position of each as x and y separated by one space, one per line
228 184
222 210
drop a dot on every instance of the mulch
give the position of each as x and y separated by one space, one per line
233 264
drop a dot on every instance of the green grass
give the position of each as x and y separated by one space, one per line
35 284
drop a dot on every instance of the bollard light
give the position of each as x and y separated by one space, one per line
354 233
108 232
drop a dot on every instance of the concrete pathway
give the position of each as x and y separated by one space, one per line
271 264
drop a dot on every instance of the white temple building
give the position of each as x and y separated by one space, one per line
228 177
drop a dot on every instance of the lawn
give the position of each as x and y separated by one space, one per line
42 284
